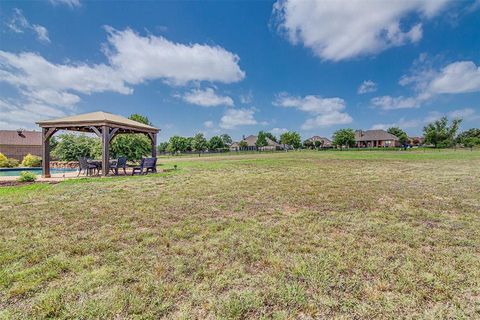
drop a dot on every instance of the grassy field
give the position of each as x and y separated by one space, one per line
285 235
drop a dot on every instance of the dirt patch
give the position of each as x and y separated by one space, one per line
14 183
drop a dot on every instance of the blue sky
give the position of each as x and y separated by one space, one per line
240 67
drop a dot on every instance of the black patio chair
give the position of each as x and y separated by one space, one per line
120 163
86 167
146 165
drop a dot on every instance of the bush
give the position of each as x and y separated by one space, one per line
72 146
26 176
31 161
7 162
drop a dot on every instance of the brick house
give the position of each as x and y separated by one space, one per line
18 143
251 144
324 142
375 138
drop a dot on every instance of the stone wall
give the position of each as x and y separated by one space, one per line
64 164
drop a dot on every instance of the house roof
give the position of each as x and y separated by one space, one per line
318 138
251 140
20 138
97 118
370 135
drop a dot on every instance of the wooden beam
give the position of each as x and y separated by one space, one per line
153 137
105 150
112 134
46 152
95 130
47 133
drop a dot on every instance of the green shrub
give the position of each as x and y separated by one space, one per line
26 176
7 162
31 161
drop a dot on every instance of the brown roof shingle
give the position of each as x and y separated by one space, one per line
23 138
372 135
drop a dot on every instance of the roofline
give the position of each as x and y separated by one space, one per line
72 124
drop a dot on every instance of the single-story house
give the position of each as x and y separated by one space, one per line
375 138
324 142
416 141
251 144
18 143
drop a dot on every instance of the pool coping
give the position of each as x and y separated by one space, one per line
21 168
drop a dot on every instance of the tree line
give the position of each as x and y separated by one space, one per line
69 147
439 134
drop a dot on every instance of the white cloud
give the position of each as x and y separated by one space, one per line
457 77
246 98
208 124
278 131
42 32
466 113
327 111
15 116
326 120
69 3
310 103
31 71
367 86
237 117
139 59
207 98
20 24
133 59
337 30
400 102
402 123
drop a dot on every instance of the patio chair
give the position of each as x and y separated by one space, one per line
86 167
147 164
120 163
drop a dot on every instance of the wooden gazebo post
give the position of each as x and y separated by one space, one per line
153 139
105 150
46 134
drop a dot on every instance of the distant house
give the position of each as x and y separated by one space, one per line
324 142
251 144
18 143
416 141
375 138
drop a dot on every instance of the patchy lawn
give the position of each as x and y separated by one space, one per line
284 235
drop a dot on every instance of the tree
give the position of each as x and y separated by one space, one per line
177 144
440 134
242 145
291 138
308 144
318 144
162 147
271 136
133 146
199 143
189 144
227 140
261 140
470 133
216 143
140 118
399 133
344 138
70 147
471 142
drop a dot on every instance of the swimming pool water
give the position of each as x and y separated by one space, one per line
13 172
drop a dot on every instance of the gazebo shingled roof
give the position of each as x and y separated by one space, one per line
103 124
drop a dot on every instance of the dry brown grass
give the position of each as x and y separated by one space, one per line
321 235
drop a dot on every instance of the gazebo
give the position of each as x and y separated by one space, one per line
105 125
